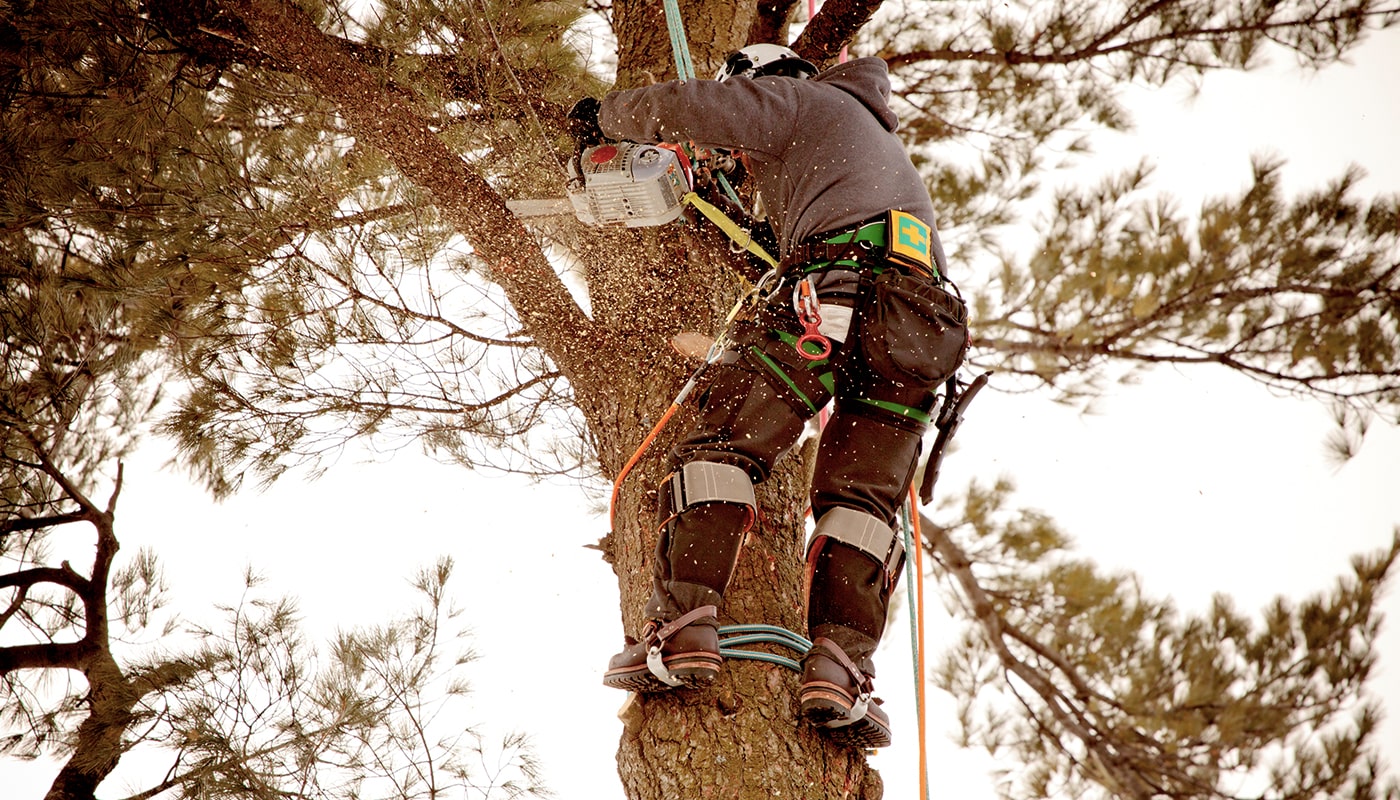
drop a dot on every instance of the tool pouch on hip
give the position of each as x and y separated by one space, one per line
912 331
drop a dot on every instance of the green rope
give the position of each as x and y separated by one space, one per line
685 69
769 633
680 49
728 190
738 636
754 655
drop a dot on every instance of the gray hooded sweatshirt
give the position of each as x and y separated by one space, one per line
822 151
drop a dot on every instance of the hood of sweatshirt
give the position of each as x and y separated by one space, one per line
867 80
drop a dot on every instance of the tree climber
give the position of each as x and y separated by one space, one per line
860 313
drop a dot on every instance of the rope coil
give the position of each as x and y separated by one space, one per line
744 635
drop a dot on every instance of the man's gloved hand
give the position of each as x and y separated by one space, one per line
583 122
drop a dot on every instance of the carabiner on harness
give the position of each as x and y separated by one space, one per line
805 303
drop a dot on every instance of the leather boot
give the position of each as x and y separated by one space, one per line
682 653
835 695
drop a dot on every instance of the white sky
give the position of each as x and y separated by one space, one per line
1199 481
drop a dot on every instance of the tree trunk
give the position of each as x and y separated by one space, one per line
111 697
740 738
98 745
714 29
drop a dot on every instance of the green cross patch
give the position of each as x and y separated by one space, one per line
909 240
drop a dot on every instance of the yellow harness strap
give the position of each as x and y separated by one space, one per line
731 229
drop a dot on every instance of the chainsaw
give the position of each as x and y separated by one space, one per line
619 183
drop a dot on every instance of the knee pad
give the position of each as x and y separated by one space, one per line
699 482
862 531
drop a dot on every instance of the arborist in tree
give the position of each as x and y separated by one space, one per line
860 313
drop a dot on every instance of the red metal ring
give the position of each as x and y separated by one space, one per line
821 341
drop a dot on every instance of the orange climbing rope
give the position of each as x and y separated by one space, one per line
637 456
918 615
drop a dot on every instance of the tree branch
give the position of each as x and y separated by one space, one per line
354 292
1063 708
90 510
771 25
35 523
386 121
833 27
1097 48
63 576
69 655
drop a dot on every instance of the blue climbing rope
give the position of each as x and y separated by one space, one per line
910 577
680 49
738 636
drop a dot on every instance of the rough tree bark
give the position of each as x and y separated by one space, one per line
741 738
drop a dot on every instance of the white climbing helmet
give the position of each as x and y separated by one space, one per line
765 59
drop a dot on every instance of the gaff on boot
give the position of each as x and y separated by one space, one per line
837 696
681 653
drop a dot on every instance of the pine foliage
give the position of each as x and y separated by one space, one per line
1101 690
144 193
377 712
1298 293
372 316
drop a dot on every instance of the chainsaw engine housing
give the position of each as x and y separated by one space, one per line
626 183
